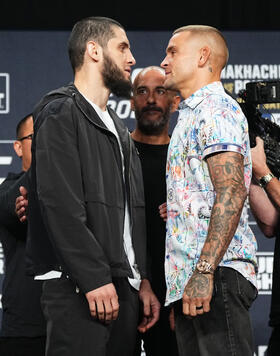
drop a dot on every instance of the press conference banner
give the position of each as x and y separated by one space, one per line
33 63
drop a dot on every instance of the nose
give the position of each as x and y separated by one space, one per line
164 63
131 59
151 98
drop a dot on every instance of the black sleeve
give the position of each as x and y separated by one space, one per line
9 191
61 198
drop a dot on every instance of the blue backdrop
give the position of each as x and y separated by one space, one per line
33 63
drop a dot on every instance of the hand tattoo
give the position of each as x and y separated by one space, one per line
198 286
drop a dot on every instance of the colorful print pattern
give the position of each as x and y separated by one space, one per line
209 121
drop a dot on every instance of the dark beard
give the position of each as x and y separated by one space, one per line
151 127
114 79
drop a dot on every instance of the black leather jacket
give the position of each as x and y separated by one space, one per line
77 193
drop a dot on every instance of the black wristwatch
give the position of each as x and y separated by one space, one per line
263 182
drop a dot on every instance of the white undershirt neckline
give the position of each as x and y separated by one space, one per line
128 247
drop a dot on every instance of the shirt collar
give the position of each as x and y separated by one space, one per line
197 97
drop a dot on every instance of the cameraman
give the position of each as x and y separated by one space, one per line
265 204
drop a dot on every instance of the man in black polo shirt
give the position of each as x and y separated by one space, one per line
23 324
153 105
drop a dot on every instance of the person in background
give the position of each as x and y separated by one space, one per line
23 327
153 105
264 201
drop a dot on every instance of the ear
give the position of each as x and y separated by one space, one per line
175 103
18 148
132 104
204 55
93 50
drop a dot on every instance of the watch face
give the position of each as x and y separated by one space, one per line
200 266
204 267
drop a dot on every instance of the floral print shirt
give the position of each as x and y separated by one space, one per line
209 121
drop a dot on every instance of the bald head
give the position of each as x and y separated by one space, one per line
211 37
152 103
158 71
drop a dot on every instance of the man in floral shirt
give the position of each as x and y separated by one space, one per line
210 250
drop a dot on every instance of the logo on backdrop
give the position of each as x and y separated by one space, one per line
264 276
4 93
236 76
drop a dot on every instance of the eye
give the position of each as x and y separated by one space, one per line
141 91
123 47
161 91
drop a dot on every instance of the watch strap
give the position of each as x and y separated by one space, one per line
263 182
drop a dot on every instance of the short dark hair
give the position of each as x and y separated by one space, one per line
21 124
90 28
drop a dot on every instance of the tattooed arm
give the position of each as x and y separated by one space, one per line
227 175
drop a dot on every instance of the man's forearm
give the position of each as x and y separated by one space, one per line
223 224
227 175
264 211
273 191
261 169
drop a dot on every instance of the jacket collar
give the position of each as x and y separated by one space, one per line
92 115
85 107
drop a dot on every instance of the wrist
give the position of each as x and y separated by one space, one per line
204 267
264 180
145 283
261 172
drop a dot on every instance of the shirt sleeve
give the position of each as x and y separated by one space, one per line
223 129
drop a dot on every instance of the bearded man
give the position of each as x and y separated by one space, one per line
87 218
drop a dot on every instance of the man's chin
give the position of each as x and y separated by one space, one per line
169 84
127 76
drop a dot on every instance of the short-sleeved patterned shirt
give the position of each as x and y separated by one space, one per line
209 121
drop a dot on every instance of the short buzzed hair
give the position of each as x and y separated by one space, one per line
20 125
204 29
99 29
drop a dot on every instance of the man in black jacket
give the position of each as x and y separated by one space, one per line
23 326
87 215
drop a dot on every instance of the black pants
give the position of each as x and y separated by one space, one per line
274 342
160 340
71 331
22 346
226 329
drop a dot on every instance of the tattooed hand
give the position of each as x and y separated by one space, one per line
197 294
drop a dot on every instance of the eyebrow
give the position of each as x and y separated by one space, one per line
124 44
170 48
145 87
